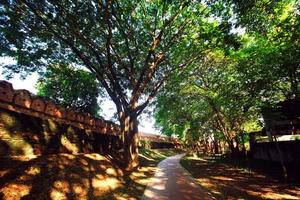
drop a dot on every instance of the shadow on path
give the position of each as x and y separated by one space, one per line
171 181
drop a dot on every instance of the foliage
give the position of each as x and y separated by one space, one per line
210 101
222 93
214 77
130 46
70 87
273 51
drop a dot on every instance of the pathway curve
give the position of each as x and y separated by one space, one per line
172 182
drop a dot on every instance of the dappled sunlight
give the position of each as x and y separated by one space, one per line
94 156
57 194
71 147
8 120
15 190
227 182
33 170
171 181
206 183
123 197
197 158
62 176
17 144
68 176
222 178
277 196
103 186
60 190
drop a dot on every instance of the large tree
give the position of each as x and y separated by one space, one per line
130 46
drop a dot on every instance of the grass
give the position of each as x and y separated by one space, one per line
82 176
232 180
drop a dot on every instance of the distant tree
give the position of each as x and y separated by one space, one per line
70 87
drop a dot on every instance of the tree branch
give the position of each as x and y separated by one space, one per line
139 88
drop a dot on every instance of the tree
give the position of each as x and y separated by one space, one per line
130 46
273 49
210 101
70 87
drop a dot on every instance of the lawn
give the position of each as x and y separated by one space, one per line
82 176
226 181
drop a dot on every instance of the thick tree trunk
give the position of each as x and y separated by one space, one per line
129 128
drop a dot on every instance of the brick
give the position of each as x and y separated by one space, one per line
22 98
6 91
87 118
38 104
100 123
71 114
61 112
51 109
80 117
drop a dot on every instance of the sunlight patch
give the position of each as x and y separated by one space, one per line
11 191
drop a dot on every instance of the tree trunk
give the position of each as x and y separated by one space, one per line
129 128
243 145
216 146
233 148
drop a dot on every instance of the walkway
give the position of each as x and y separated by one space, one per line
172 182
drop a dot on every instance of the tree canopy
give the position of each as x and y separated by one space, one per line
223 92
214 76
132 47
70 87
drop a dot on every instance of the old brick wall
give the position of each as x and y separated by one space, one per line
30 125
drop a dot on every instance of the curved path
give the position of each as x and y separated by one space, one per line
172 182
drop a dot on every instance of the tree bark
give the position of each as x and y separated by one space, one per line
233 148
129 129
216 146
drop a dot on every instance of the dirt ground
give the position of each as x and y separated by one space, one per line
63 176
224 181
82 176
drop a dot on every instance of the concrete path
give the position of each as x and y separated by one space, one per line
172 182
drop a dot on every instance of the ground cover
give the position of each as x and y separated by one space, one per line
224 180
82 176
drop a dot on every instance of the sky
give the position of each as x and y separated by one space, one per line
108 107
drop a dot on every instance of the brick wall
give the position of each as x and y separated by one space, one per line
32 125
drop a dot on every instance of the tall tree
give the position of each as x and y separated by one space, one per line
131 46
